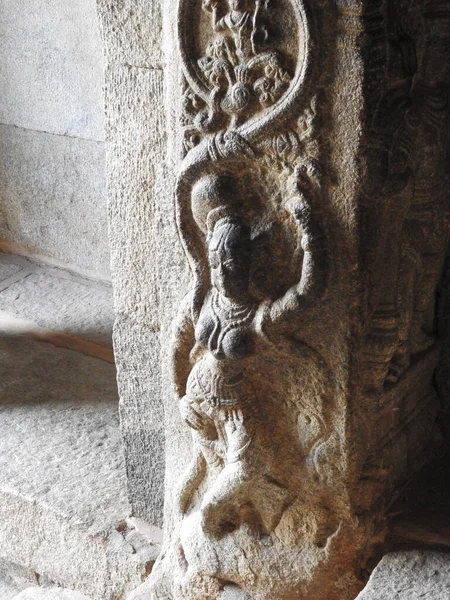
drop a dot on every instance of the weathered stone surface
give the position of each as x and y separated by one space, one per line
134 161
63 303
14 579
411 575
137 216
52 192
303 355
232 592
50 594
141 593
8 269
63 504
51 71
132 32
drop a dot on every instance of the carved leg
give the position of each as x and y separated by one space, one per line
206 451
220 506
239 497
243 492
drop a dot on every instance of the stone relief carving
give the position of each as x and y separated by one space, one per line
244 66
249 208
225 411
239 197
287 440
404 252
409 124
241 70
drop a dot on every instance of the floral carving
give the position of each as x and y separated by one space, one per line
242 72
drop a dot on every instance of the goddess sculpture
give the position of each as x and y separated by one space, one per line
234 453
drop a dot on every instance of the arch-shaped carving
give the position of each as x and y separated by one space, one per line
297 93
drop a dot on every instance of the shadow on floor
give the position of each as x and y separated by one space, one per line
33 371
421 516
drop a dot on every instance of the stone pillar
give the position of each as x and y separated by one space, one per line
307 155
135 149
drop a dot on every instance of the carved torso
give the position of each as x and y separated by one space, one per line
240 24
225 329
236 21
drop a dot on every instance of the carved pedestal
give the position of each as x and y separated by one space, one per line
309 140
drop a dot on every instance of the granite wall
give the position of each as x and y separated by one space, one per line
52 182
145 255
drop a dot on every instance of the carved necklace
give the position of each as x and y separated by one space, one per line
228 316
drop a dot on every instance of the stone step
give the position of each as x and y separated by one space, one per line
410 575
57 306
64 512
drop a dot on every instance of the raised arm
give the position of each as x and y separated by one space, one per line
313 282
212 7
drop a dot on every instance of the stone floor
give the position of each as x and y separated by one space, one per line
63 505
54 305
410 575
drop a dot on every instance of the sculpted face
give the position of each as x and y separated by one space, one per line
230 259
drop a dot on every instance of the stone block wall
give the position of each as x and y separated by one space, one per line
52 183
144 250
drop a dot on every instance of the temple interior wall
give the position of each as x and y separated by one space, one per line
52 134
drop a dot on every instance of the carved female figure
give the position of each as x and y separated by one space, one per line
220 406
233 449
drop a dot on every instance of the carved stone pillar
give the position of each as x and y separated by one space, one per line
308 139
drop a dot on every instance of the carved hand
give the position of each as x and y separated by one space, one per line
237 417
238 425
210 5
192 417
